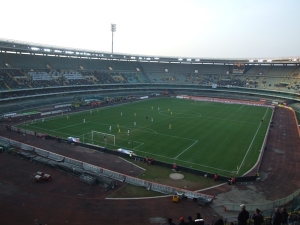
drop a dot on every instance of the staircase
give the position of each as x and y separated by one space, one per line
268 71
10 62
256 71
290 84
12 77
283 79
260 81
37 61
8 87
28 78
291 73
71 62
137 75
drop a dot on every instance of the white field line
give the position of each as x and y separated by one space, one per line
61 128
241 106
145 129
186 149
178 114
251 143
152 131
238 121
54 117
138 145
200 115
177 137
215 168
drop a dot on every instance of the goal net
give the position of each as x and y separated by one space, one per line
99 138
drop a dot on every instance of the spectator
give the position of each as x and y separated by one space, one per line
243 216
182 222
199 220
198 216
146 160
152 161
219 222
257 217
43 136
170 222
215 177
284 216
190 221
233 180
276 218
175 167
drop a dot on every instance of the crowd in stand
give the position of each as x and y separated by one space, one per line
279 217
103 77
190 221
17 79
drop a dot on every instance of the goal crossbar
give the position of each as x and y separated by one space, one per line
101 136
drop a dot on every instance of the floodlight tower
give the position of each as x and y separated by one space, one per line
113 29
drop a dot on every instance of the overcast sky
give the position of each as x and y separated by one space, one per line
186 28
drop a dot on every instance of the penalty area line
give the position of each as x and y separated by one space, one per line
186 149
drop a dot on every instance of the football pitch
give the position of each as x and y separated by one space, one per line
209 136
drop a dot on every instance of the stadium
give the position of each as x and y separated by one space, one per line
166 103
149 112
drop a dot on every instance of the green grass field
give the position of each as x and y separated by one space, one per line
213 137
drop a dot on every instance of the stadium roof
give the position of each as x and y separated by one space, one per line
11 46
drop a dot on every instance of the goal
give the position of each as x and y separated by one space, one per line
96 137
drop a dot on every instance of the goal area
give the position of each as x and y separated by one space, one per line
99 138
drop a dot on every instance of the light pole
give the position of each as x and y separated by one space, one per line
113 29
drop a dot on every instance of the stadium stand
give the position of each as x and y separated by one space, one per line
26 71
27 75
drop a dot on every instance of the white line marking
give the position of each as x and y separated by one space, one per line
210 167
71 126
186 149
251 143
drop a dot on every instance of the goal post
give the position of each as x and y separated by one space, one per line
101 137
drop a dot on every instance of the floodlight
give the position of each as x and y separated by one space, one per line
113 29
